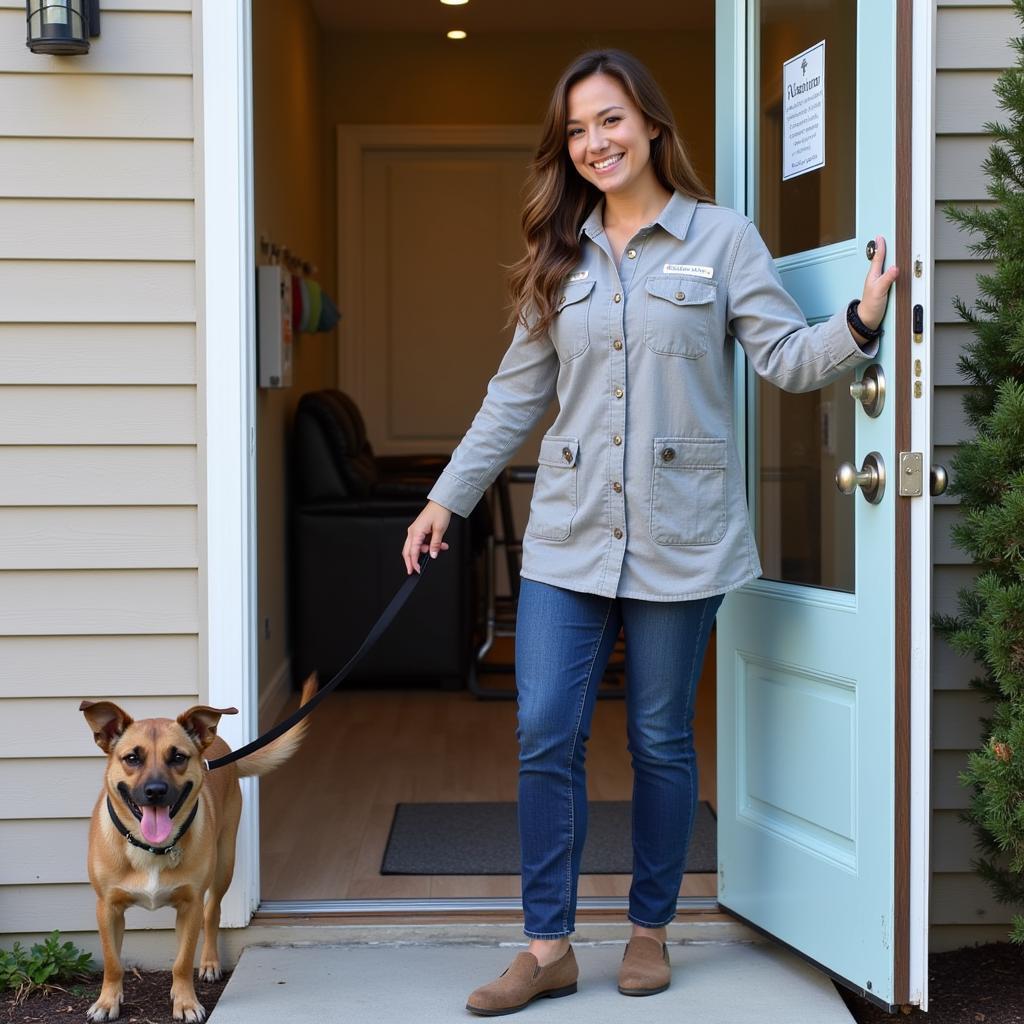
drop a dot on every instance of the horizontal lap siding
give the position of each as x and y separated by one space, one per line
100 485
971 49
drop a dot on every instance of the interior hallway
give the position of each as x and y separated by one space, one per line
325 816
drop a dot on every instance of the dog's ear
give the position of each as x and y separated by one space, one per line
106 720
200 722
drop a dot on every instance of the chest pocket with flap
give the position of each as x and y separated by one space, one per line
570 329
677 315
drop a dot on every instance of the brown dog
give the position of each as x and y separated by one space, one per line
181 823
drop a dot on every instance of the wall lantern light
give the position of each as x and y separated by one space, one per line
62 26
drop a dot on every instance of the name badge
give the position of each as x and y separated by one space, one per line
580 275
688 268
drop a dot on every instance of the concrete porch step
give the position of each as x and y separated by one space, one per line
735 982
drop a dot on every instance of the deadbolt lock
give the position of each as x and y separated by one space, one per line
911 483
870 478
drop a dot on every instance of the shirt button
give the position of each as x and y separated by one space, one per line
618 392
567 454
680 296
668 454
618 533
616 439
617 297
616 344
631 253
617 487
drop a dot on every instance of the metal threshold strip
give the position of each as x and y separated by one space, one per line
310 908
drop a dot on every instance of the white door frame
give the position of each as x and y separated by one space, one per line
226 322
922 217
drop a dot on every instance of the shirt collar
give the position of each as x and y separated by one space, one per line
674 218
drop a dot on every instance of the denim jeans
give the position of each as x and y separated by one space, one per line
563 641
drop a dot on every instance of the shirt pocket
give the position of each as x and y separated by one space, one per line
677 315
554 503
688 490
570 328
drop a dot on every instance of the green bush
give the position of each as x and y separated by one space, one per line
988 475
45 964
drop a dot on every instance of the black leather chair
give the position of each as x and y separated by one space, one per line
350 510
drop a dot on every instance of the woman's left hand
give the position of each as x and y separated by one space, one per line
876 287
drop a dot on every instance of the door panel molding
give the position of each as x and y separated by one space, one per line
356 370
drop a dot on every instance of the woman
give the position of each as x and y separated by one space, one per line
632 283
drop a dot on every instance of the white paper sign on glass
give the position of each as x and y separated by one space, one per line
803 112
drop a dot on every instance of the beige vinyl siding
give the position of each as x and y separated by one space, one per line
116 665
971 49
100 490
114 168
90 538
74 904
98 353
97 475
67 229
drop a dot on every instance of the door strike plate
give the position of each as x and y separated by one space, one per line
911 475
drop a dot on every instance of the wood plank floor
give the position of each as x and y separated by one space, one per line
325 816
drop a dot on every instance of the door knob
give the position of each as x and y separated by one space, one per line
870 390
939 480
870 478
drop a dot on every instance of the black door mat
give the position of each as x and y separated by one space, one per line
483 839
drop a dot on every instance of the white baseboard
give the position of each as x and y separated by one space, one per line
275 694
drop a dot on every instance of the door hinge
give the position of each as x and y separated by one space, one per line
911 475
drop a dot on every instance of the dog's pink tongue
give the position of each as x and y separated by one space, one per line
156 824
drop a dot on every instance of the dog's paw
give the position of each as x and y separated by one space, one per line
188 1008
210 970
107 1007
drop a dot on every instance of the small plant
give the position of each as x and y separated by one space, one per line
42 966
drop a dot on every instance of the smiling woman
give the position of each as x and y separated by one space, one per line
632 284
610 140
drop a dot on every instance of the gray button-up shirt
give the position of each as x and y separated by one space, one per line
639 490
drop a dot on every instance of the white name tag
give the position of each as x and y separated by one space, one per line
580 275
688 268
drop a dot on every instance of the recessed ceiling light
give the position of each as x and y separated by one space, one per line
455 3
456 33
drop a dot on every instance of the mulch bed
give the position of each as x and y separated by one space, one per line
973 985
146 1000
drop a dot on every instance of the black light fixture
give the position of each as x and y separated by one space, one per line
62 26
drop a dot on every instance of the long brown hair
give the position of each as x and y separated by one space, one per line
558 198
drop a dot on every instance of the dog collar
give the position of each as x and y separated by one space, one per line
119 825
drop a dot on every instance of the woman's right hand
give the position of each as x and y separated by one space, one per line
429 525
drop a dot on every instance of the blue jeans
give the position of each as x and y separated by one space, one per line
563 642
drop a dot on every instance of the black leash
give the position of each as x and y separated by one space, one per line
379 626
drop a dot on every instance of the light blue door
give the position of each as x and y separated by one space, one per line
806 143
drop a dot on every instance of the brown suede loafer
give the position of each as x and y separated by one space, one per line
523 981
645 967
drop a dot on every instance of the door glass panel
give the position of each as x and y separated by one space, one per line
805 526
818 207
